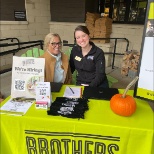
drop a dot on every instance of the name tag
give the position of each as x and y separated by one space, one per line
78 58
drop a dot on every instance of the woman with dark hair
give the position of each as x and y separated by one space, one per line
57 67
88 60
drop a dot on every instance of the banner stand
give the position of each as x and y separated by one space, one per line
145 85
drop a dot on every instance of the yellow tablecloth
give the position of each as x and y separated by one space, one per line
101 132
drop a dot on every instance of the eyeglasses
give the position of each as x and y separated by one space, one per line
54 44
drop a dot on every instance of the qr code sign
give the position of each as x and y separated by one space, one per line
19 85
42 92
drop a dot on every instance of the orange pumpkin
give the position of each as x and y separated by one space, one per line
123 106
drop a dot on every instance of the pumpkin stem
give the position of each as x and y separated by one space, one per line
129 85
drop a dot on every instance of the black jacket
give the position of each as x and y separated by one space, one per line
91 68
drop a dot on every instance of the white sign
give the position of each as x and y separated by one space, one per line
26 71
145 86
43 95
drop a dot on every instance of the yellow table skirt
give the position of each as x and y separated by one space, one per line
101 132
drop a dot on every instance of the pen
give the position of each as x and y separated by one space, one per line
71 90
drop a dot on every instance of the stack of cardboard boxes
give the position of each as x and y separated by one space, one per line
90 22
99 27
103 29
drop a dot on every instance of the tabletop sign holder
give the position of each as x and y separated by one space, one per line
43 95
26 71
145 86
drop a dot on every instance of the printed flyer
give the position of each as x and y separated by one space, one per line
26 71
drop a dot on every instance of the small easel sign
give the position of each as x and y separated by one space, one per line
43 95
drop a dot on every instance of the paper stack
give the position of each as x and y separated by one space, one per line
16 107
73 92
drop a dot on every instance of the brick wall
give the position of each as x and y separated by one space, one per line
132 32
38 25
35 28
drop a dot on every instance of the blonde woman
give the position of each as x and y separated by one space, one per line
57 67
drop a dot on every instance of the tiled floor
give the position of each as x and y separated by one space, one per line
123 81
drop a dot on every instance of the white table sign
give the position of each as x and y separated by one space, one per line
43 95
26 71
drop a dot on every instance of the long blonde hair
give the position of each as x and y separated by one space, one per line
49 37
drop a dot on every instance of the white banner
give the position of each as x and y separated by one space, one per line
145 86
